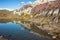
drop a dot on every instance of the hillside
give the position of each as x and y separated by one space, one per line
6 14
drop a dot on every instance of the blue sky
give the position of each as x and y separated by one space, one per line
13 4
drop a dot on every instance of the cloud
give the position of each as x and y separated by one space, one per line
6 9
29 2
23 3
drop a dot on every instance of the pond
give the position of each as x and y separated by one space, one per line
14 31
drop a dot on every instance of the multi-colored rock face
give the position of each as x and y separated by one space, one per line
48 16
23 10
46 6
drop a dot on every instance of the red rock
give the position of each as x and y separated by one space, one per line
45 6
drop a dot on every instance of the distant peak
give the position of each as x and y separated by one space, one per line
6 9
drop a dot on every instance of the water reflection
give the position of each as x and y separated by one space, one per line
25 24
14 31
34 29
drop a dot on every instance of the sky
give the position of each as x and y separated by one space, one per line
13 4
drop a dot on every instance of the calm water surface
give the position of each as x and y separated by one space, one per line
15 31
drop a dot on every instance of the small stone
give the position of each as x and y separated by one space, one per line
1 36
54 36
48 33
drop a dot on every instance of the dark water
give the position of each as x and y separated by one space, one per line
16 32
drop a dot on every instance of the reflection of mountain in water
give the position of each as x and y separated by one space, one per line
23 23
13 31
32 28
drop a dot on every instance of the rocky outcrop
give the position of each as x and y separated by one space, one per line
23 10
47 17
46 6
